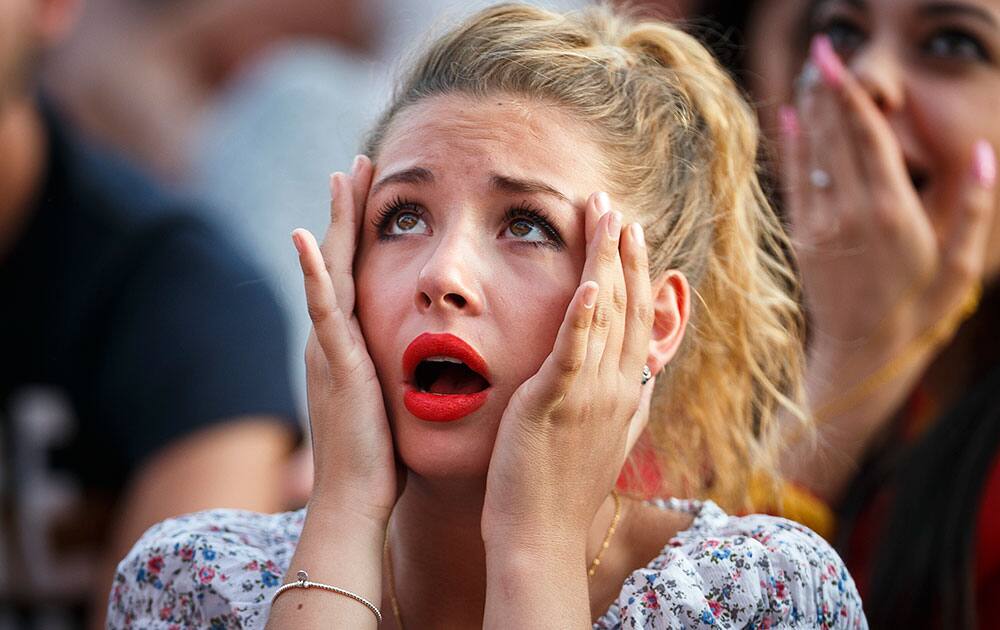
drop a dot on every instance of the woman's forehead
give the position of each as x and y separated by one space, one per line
466 135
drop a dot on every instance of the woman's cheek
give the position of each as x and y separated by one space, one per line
538 311
382 298
948 119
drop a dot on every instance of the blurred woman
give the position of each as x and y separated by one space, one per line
884 118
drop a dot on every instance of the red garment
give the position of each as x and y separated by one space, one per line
988 549
862 548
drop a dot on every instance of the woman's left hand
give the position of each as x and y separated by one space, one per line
563 438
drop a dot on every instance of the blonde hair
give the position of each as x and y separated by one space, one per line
682 144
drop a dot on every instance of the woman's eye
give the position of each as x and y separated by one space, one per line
526 230
400 217
530 225
406 221
844 35
955 45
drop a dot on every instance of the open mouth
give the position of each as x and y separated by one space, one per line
446 378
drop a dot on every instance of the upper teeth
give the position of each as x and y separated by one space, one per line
444 359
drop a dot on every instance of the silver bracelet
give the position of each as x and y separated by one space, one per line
303 582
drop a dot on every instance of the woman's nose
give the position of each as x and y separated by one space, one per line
878 70
449 281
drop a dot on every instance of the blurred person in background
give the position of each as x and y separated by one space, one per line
883 116
143 360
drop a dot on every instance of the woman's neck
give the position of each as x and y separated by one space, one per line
438 560
435 548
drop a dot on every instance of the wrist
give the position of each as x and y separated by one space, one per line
349 509
521 560
523 547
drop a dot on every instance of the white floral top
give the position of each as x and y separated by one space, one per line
219 569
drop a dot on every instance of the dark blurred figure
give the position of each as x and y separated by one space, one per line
143 363
885 141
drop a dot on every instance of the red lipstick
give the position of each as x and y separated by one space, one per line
446 378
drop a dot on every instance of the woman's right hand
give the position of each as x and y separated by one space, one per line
880 273
352 444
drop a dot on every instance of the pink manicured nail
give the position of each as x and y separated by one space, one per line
297 240
333 185
826 59
984 164
355 165
788 120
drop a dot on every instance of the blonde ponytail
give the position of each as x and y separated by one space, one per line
682 145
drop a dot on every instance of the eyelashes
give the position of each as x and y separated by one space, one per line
528 213
938 40
523 215
387 213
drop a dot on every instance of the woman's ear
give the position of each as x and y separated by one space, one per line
671 309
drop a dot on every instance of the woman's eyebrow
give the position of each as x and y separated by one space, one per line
525 186
815 5
415 175
941 9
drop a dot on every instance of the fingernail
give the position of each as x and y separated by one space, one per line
637 235
603 203
826 59
355 165
590 295
788 120
984 164
333 185
295 240
615 225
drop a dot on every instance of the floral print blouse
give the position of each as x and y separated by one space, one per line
219 569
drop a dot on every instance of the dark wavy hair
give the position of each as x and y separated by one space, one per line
922 574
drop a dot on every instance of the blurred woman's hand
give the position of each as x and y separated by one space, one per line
352 444
883 284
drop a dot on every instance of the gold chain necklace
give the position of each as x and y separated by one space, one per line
596 562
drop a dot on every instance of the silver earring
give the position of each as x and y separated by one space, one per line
646 374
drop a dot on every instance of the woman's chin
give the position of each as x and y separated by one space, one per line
447 451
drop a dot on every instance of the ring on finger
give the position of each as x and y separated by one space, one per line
808 78
820 179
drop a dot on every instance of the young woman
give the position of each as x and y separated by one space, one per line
558 257
888 140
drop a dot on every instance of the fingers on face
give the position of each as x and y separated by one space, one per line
829 160
361 181
794 152
622 321
967 228
639 316
570 350
604 267
321 299
607 326
851 169
348 195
